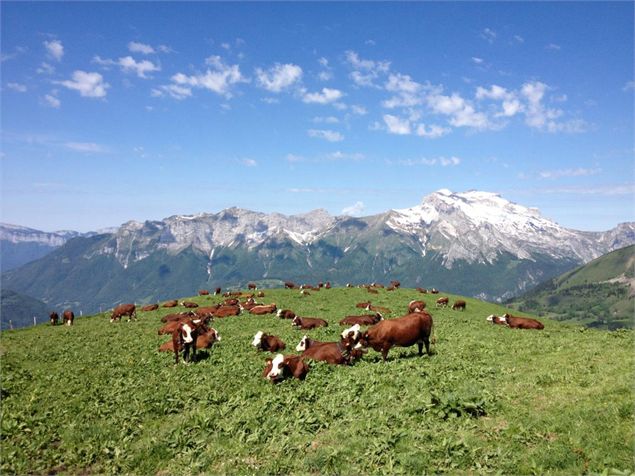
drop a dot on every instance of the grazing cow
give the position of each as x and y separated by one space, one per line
416 306
252 286
285 314
349 285
282 366
308 322
422 290
150 307
203 292
458 304
516 322
434 291
217 291
307 342
364 320
362 305
336 353
172 303
289 285
403 331
68 317
395 283
225 311
442 302
121 310
261 310
189 304
205 340
497 320
327 285
267 342
54 318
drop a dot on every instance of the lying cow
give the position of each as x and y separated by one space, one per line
203 292
225 311
172 303
267 342
363 320
281 367
342 352
150 307
54 318
516 322
261 310
416 306
307 342
189 304
121 310
403 331
458 304
308 322
178 316
289 285
285 314
68 317
362 305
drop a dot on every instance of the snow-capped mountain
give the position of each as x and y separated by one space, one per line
472 243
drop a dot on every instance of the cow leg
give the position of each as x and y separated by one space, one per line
426 341
193 359
384 353
420 345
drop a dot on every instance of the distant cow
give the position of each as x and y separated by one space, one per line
172 303
442 302
260 294
434 291
203 292
308 322
121 310
422 290
267 342
225 311
252 286
497 320
516 322
289 285
415 306
207 311
217 291
189 304
231 302
54 318
179 316
458 304
150 307
68 317
304 292
281 367
363 320
372 291
327 285
362 305
261 310
395 283
285 314
403 331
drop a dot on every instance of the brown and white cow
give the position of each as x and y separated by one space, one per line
171 326
415 306
289 285
184 339
68 317
54 317
252 286
394 283
172 303
150 307
308 322
203 292
434 291
121 310
307 342
422 290
337 353
261 310
208 311
267 342
458 304
363 320
372 291
285 314
281 367
516 322
442 302
497 320
217 291
226 311
205 340
383 310
362 305
179 316
402 331
189 304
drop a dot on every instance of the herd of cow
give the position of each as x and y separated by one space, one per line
190 330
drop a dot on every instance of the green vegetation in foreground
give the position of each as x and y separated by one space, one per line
599 294
99 398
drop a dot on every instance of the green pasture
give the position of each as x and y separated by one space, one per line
98 398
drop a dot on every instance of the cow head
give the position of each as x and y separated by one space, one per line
186 333
302 346
258 339
296 321
279 313
277 368
378 317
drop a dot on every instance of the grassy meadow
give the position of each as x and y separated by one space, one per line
99 398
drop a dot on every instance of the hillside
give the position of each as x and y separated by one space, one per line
99 398
599 294
17 310
471 243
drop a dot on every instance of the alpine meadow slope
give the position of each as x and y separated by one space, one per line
489 398
472 243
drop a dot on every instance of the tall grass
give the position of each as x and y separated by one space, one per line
99 398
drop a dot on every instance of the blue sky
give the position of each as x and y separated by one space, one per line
119 111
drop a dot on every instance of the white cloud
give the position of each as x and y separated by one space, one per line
488 35
495 92
293 158
331 136
579 172
519 39
325 75
462 113
20 88
477 60
55 49
537 116
142 48
323 62
90 85
339 155
432 131
442 161
249 162
219 80
140 68
278 77
270 100
359 110
52 101
449 161
553 46
85 147
629 86
354 210
45 68
325 120
365 71
325 96
173 90
397 125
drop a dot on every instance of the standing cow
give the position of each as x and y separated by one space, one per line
403 331
121 310
54 318
68 317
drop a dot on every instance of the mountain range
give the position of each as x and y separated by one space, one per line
472 243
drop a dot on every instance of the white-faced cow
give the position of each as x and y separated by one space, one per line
267 342
281 367
308 322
